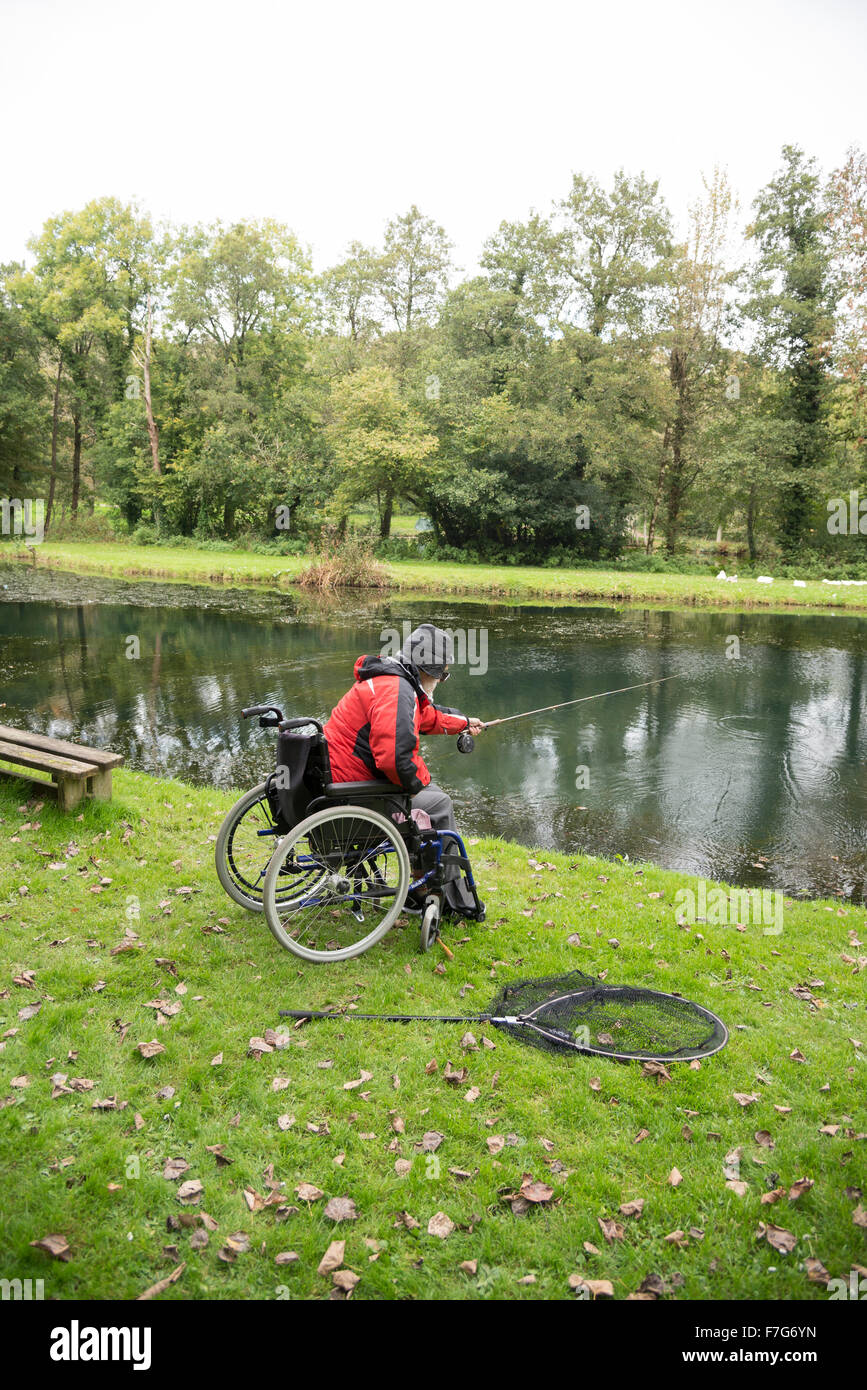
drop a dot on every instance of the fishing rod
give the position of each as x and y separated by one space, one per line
465 740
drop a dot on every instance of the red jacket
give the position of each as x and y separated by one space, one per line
373 732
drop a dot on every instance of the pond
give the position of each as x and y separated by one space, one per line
749 767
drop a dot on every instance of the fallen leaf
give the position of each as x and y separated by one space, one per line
799 1188
333 1257
345 1279
341 1209
768 1198
816 1271
160 1287
351 1085
780 1239
307 1192
599 1288
54 1245
440 1226
533 1191
611 1229
634 1208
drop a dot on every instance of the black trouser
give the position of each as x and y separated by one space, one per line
438 805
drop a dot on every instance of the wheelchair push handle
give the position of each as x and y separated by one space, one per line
261 709
270 717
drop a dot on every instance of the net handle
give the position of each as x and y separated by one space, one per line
388 1018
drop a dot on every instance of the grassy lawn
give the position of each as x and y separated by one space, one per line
601 1134
521 583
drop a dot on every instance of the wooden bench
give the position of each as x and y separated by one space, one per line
75 770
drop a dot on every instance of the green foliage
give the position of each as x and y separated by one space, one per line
23 397
206 386
793 305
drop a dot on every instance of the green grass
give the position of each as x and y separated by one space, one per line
59 1156
402 523
521 583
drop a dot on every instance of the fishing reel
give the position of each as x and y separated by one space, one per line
466 742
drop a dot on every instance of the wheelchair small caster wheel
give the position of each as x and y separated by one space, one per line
430 924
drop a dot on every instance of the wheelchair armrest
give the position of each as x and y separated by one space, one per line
345 791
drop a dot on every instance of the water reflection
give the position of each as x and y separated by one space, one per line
760 756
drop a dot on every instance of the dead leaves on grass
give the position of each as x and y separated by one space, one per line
56 1246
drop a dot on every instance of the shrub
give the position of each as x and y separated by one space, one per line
344 562
83 528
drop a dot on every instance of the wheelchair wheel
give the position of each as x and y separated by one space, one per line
430 923
351 870
245 842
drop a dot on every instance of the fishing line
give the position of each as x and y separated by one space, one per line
465 743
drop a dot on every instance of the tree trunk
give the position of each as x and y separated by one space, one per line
385 517
153 434
76 459
751 519
651 529
676 486
54 426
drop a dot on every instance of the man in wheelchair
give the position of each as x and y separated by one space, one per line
373 733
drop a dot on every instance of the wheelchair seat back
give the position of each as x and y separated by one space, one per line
303 769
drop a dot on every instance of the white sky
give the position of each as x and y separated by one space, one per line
333 117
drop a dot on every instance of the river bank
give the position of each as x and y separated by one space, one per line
499 582
109 914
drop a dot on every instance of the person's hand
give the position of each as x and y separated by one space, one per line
476 726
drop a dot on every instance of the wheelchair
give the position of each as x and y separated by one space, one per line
331 863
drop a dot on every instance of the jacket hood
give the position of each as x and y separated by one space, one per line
366 667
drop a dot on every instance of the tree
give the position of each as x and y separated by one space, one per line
22 395
413 269
792 306
81 295
379 442
613 251
349 292
229 283
239 302
700 313
848 407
